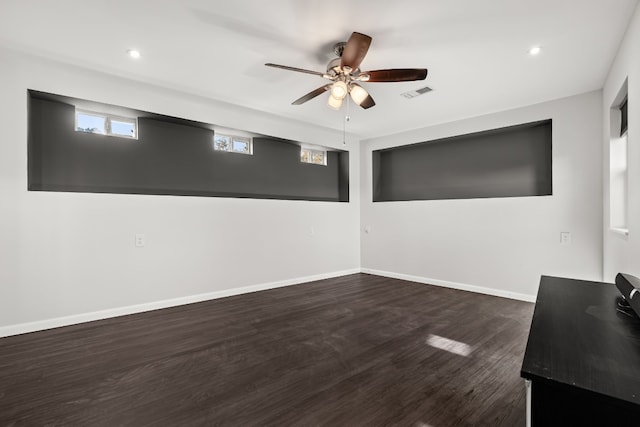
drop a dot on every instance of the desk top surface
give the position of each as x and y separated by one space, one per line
578 339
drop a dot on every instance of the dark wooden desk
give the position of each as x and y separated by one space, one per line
582 362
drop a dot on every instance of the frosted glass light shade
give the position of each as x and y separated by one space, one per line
358 94
339 90
334 103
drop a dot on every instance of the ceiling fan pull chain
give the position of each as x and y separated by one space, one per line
344 124
344 132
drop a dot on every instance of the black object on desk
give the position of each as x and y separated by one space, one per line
582 357
629 287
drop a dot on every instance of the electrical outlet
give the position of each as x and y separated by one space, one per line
565 238
139 240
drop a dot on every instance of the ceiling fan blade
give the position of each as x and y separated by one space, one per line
355 50
311 95
397 75
299 70
368 102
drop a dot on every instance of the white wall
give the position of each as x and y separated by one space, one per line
68 254
622 254
497 245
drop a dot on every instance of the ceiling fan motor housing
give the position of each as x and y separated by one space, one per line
333 67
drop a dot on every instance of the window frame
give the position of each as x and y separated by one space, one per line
129 120
108 118
311 152
619 166
230 138
90 113
242 139
227 138
619 184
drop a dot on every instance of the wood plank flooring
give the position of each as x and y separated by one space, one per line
349 351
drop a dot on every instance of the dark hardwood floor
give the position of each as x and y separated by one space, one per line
350 351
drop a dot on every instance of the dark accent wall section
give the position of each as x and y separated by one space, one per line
507 162
171 156
624 120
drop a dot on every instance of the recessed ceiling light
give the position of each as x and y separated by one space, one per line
535 50
133 53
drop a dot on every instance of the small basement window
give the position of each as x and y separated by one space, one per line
106 124
122 127
315 157
232 143
241 145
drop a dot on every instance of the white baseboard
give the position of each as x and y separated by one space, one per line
453 285
40 325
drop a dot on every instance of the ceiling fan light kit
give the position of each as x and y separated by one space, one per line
344 72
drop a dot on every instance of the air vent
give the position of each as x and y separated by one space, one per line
417 92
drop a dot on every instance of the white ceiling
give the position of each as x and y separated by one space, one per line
475 50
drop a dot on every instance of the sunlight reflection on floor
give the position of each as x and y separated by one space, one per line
451 346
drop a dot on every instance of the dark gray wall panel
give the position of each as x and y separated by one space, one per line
171 156
507 162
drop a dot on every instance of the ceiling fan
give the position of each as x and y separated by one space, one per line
346 75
